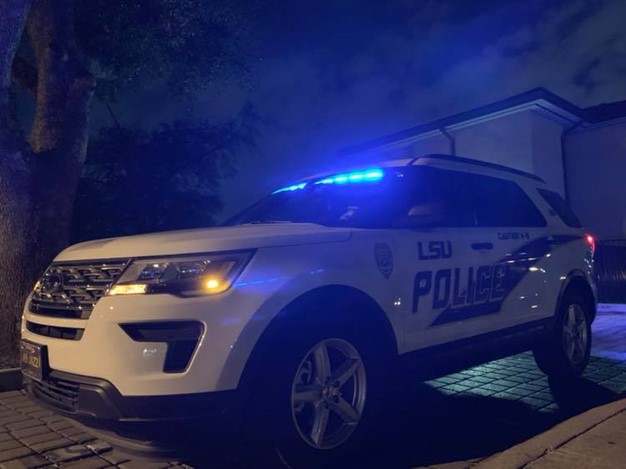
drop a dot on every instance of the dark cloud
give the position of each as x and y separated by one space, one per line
431 60
333 73
570 23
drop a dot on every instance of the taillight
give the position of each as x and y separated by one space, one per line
591 241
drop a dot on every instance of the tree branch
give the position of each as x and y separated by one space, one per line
77 104
64 86
115 121
12 19
24 75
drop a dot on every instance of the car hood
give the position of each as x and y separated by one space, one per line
228 238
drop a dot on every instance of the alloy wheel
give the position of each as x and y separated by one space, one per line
328 393
575 334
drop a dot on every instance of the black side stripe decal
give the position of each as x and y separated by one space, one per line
513 267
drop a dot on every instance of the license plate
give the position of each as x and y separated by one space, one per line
33 360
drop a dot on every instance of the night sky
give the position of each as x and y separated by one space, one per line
337 72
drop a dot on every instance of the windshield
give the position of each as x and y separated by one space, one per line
364 199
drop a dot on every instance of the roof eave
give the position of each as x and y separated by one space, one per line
539 100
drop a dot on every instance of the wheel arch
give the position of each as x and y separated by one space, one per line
326 303
577 281
368 312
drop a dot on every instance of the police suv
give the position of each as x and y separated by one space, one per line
290 320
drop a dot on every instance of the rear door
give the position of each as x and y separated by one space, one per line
472 269
516 235
436 243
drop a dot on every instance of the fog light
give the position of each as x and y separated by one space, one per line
181 337
132 289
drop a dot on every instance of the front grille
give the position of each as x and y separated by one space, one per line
56 332
72 290
56 392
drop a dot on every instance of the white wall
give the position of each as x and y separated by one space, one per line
547 156
524 140
595 162
506 140
408 149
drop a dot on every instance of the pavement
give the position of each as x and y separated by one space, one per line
503 414
595 439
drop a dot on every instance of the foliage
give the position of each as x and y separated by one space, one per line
169 178
137 181
189 44
133 181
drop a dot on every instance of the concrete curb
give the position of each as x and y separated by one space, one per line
10 379
530 450
611 308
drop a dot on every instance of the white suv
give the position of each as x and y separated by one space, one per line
294 315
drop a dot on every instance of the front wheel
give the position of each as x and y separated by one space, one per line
328 393
315 394
566 351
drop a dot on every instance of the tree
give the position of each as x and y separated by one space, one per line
61 52
137 181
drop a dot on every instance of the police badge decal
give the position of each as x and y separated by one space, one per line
384 259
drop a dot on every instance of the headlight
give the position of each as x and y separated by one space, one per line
185 276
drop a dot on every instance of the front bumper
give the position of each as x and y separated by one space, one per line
140 368
97 404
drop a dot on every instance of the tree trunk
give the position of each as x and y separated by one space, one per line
15 186
17 239
60 129
38 182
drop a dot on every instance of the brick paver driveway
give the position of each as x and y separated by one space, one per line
465 415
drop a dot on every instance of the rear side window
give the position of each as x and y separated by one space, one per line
440 199
503 203
457 199
559 205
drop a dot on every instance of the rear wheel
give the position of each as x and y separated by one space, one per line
566 351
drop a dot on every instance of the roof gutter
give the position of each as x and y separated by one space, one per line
450 139
564 134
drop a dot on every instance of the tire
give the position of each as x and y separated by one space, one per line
315 394
566 350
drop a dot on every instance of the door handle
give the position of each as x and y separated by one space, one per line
482 246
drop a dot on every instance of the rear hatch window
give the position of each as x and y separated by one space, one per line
561 208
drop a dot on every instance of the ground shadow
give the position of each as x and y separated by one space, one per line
421 425
429 427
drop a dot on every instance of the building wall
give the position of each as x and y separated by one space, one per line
547 155
506 140
595 165
523 140
595 160
408 149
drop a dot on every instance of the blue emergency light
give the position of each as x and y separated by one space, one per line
369 175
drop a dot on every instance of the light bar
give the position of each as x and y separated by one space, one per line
369 175
295 187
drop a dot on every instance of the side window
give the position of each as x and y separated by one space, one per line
441 199
503 203
557 204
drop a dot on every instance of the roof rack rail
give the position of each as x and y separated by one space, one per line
484 164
